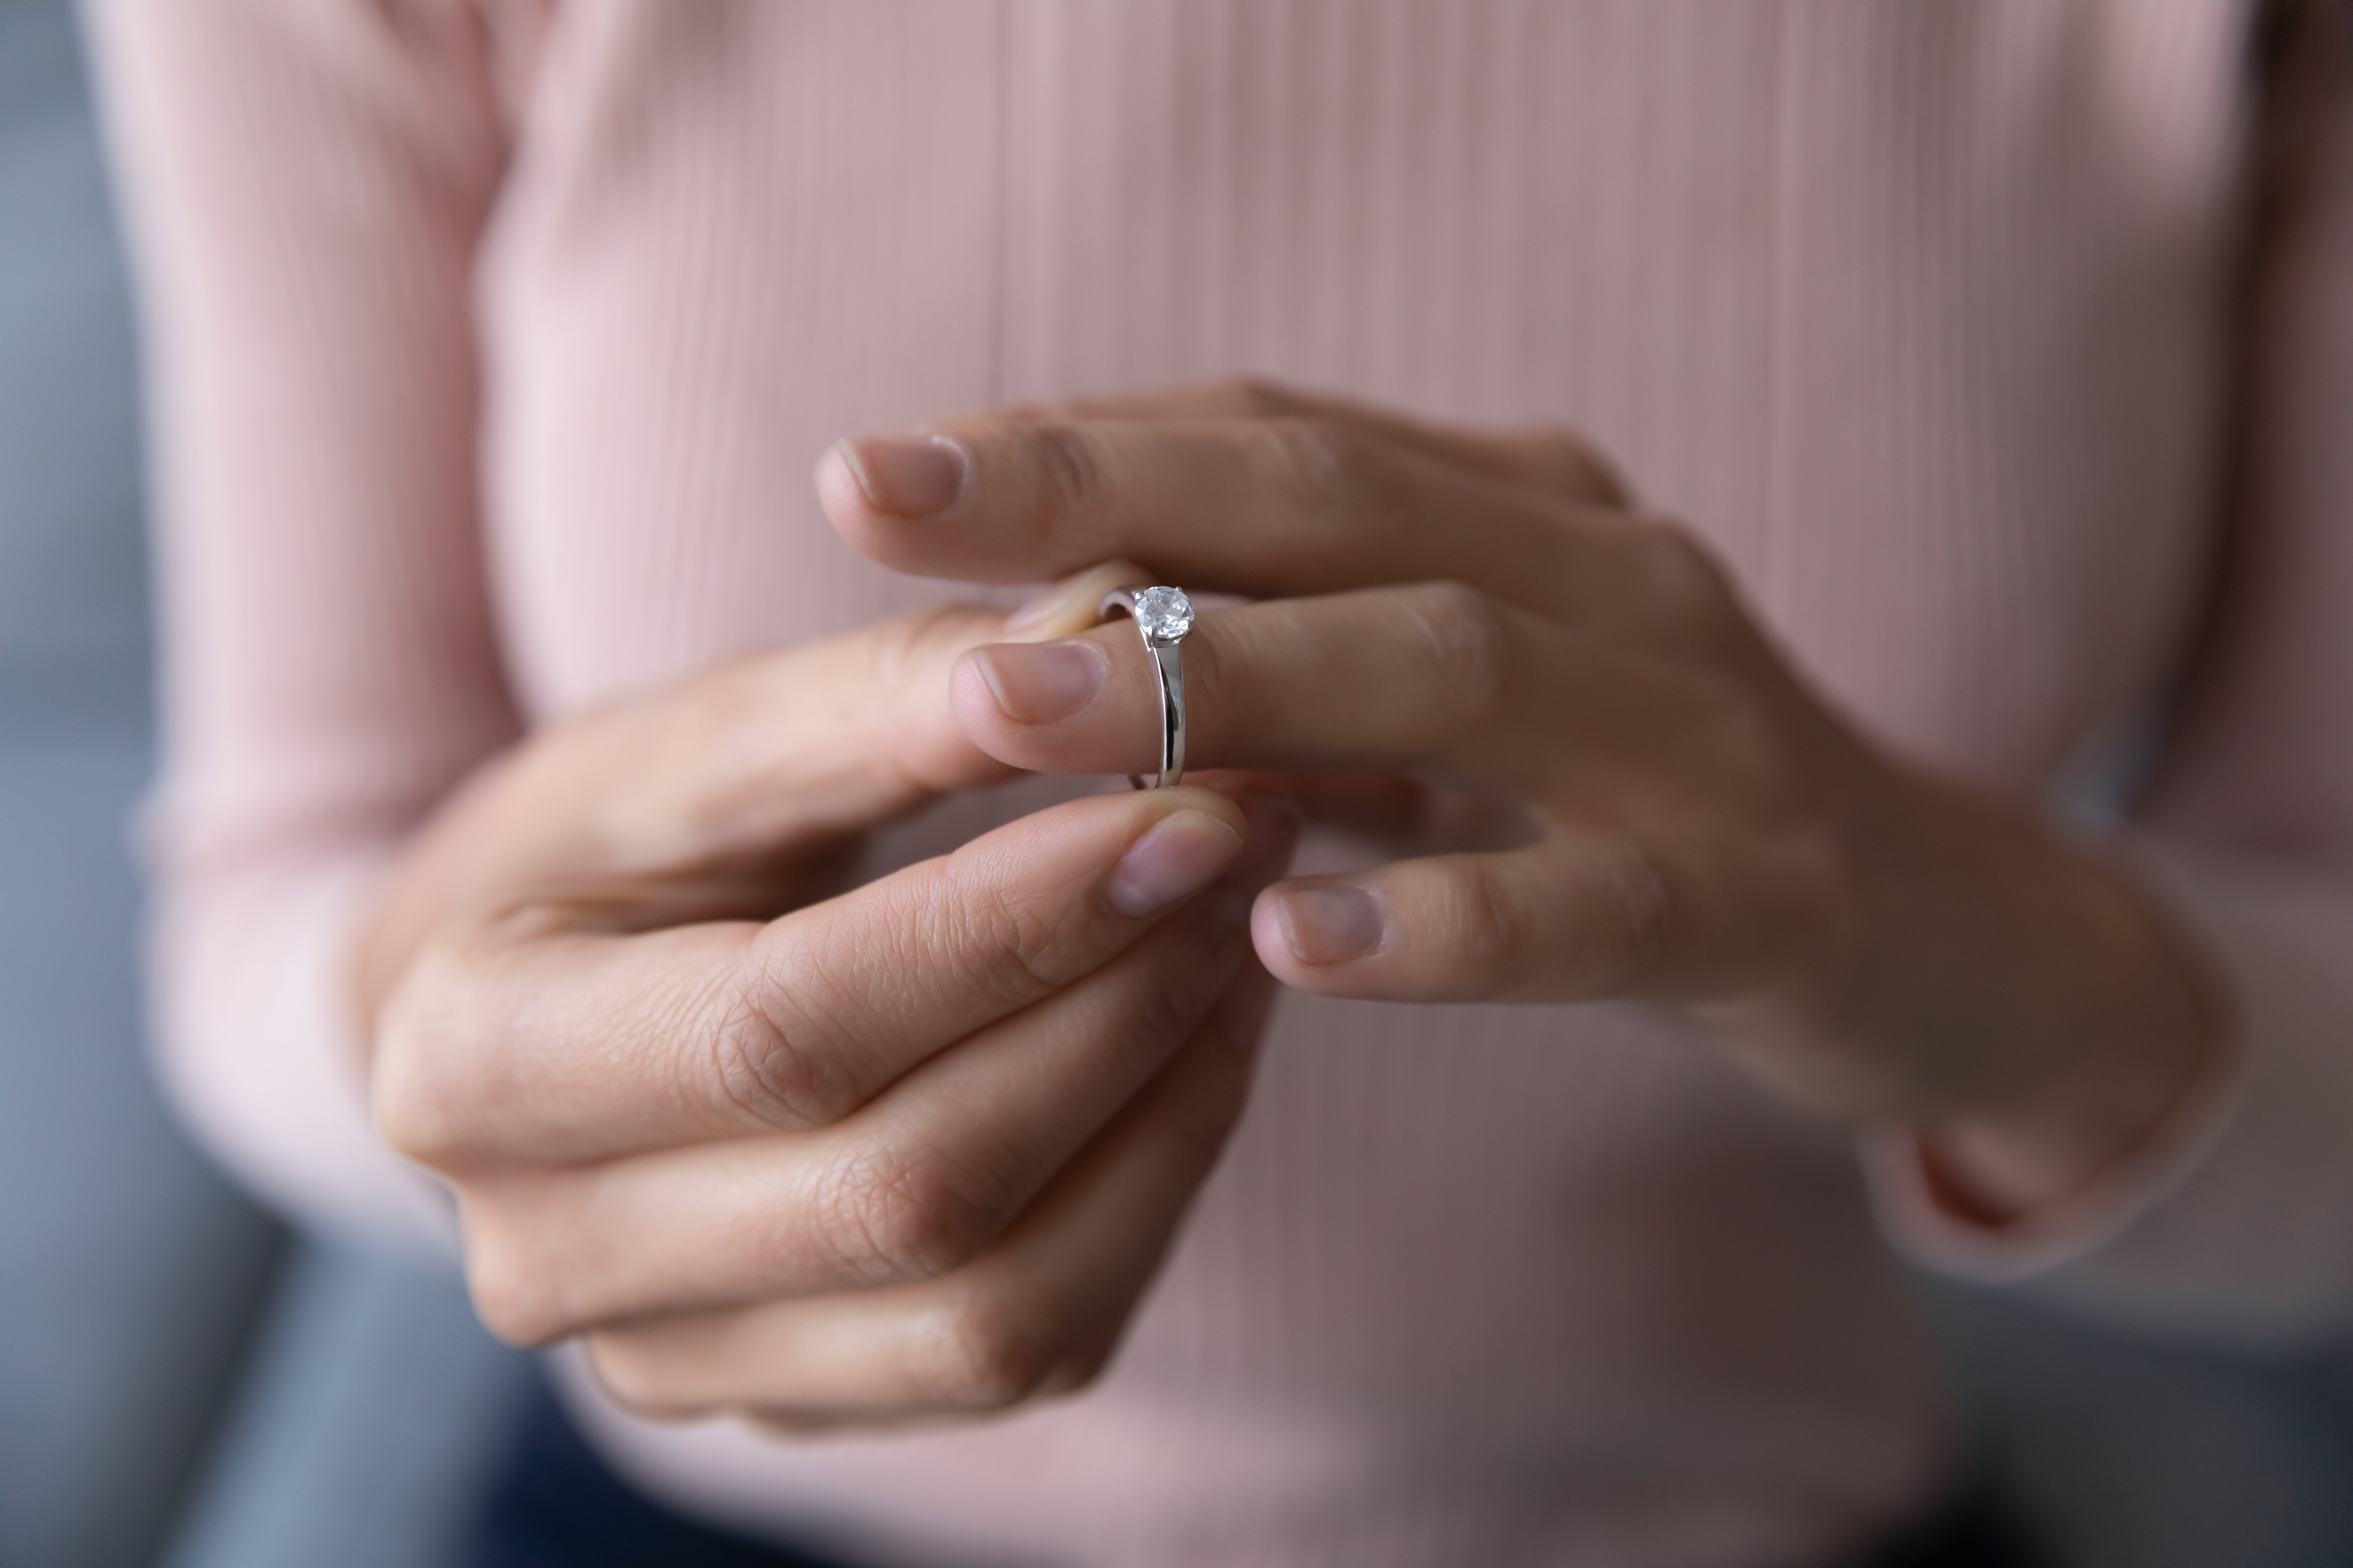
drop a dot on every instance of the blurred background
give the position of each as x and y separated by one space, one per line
180 1382
183 1383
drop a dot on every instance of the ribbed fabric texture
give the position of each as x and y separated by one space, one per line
491 351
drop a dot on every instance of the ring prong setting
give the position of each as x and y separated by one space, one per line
1164 614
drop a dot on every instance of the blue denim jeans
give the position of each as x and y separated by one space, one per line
560 1506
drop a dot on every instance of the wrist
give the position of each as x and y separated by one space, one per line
2111 1021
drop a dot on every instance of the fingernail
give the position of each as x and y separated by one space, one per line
1184 853
911 476
1037 683
1329 925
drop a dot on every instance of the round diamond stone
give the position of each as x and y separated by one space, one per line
1164 614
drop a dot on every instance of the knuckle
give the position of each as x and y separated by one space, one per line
1068 466
1493 929
889 1218
1654 908
1319 467
988 1355
1469 639
770 1062
1022 930
1017 948
1256 398
1675 577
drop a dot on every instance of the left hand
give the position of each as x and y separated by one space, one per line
1700 829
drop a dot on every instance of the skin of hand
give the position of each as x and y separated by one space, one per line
1517 640
907 1151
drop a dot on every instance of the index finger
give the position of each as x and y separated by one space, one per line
1554 457
540 1039
1267 508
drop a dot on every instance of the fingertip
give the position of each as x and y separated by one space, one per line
1193 797
838 492
1176 858
1121 816
1312 933
886 496
1033 705
915 478
1034 684
1267 940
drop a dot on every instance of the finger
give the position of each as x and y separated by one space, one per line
1551 458
1577 918
1387 806
1039 1313
1074 603
1263 507
1393 811
1437 674
915 1186
730 795
828 738
530 1040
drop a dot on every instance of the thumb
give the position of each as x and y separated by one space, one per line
773 755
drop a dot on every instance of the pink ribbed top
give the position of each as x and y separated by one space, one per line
491 349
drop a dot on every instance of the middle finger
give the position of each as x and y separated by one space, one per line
1266 508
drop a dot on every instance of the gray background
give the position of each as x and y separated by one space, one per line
179 1382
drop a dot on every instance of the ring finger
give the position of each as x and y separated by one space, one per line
1435 674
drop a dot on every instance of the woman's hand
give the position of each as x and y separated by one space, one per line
1699 828
909 1151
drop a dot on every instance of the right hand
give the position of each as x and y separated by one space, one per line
910 1151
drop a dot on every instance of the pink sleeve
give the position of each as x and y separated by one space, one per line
305 186
2237 1223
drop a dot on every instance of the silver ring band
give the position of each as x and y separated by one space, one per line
1162 615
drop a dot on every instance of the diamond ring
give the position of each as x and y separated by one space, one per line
1163 617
